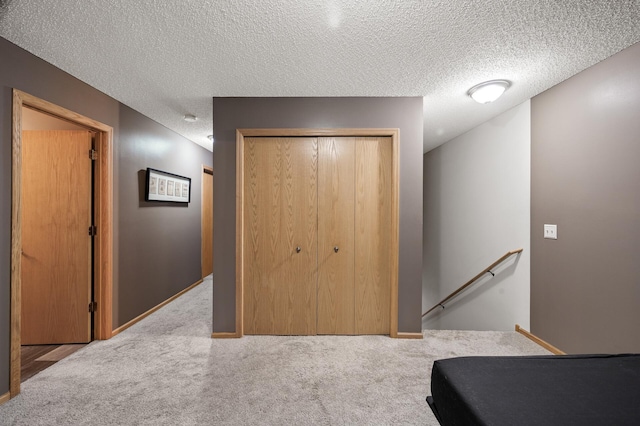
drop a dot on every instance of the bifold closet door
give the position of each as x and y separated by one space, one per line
280 242
354 235
373 214
336 204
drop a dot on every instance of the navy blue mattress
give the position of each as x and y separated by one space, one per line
537 390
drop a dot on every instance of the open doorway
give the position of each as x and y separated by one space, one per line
61 244
207 221
57 267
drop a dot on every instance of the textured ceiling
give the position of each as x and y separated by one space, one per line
169 58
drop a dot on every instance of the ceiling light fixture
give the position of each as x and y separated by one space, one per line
488 91
210 137
190 118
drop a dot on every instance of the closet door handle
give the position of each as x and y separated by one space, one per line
336 248
298 249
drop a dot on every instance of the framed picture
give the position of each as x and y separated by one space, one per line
165 186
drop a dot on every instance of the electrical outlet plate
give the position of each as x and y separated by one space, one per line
551 232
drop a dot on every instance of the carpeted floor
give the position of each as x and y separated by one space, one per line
166 370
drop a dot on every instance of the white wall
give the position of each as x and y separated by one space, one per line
476 208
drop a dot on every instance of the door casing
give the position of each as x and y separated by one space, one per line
103 218
394 134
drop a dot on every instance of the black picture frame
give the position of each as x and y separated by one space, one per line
167 187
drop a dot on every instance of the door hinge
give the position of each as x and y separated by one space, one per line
93 306
93 230
93 154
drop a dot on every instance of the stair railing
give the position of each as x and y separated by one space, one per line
474 279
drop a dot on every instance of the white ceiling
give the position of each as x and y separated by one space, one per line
169 58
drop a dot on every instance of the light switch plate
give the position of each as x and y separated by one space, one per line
551 232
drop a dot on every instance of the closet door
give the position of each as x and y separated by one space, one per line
373 214
280 244
336 203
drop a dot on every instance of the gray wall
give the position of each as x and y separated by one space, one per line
159 245
476 208
403 113
26 72
585 286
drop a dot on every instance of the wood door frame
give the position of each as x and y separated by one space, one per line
103 216
394 134
205 170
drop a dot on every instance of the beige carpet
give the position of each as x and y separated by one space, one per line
166 370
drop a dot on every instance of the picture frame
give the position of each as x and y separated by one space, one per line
167 187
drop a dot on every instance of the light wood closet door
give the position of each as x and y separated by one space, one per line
336 201
56 246
373 215
280 215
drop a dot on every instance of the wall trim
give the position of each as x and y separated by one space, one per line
224 335
403 335
103 216
539 341
4 398
155 308
394 134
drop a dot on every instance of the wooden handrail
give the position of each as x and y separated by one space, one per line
474 279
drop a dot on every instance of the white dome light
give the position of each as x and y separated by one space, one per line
488 91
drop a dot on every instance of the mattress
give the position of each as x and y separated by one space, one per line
537 390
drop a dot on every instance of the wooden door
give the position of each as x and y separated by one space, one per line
207 222
373 231
336 201
56 246
280 244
